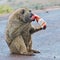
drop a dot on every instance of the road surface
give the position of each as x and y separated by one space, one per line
46 41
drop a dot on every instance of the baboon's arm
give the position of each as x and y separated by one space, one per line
14 29
35 29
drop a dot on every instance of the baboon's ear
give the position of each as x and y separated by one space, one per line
23 11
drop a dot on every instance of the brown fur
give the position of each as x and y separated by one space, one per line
18 33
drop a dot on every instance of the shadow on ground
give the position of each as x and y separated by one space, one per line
46 41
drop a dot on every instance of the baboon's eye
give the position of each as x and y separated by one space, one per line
23 11
29 10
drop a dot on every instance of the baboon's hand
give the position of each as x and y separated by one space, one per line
43 26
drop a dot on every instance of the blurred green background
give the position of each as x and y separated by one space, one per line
7 6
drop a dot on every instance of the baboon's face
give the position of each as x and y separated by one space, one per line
26 15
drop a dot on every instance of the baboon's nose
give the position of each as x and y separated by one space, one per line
31 14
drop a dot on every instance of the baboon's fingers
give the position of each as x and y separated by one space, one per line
35 51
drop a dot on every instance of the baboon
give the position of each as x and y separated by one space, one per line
19 30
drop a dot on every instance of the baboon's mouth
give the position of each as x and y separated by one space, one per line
32 17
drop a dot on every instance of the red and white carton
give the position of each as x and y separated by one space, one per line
40 21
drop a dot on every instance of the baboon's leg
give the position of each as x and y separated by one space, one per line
30 44
35 29
30 48
18 46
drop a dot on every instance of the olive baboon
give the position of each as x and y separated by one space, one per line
19 30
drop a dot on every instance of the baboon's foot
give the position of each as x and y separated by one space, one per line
35 51
28 54
24 54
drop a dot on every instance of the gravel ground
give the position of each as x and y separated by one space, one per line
46 41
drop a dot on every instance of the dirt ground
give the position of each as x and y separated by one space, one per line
46 41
